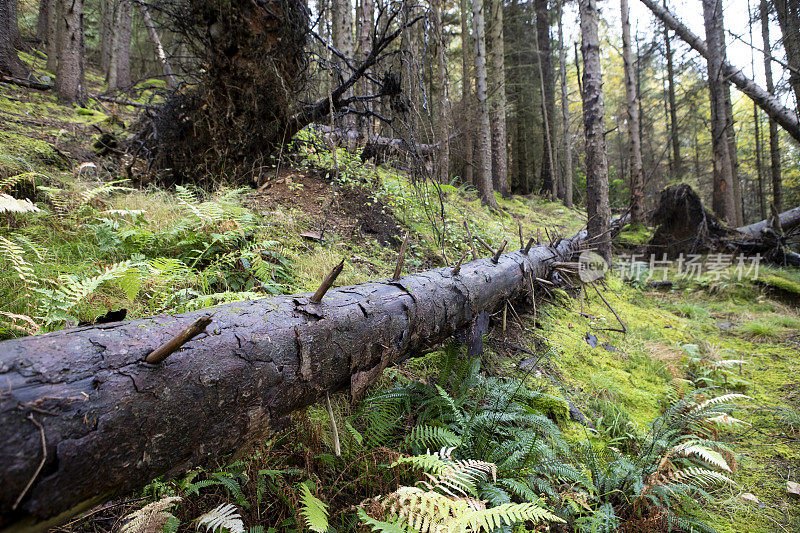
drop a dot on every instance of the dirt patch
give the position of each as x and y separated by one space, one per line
330 209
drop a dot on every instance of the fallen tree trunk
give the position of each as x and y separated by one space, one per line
685 226
785 117
84 416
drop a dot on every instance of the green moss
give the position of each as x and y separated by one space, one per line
781 283
635 234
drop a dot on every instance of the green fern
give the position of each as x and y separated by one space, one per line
313 510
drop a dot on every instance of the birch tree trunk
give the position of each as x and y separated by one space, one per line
724 196
484 144
774 139
598 208
634 138
497 77
567 143
169 75
69 75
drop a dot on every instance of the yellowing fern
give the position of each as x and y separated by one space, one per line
151 518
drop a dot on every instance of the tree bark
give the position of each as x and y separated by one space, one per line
497 90
169 76
119 72
467 173
53 34
634 138
788 219
41 22
788 12
550 177
366 27
597 203
342 35
107 18
442 96
69 76
484 143
13 25
677 163
567 142
10 63
723 198
774 139
113 422
785 117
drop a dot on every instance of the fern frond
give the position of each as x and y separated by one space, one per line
313 510
506 514
706 454
379 526
222 517
703 476
151 518
107 188
433 437
9 204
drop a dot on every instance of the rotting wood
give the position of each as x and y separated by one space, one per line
114 422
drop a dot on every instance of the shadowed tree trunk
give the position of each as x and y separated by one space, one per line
484 144
114 422
562 58
41 22
466 91
598 208
119 73
497 90
169 76
774 140
634 137
442 96
549 168
10 64
677 163
724 197
107 18
69 76
342 34
53 34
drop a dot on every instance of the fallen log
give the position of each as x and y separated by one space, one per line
685 226
84 416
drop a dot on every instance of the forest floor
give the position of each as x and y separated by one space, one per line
175 250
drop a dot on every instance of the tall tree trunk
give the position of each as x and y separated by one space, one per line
119 72
484 143
107 19
597 203
10 63
730 130
762 207
634 139
41 22
162 56
788 12
785 117
567 142
442 96
774 140
677 163
366 26
467 173
497 90
13 25
69 75
549 168
53 33
724 196
342 33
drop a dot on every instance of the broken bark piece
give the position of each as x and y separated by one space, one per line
401 258
327 283
499 252
174 344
